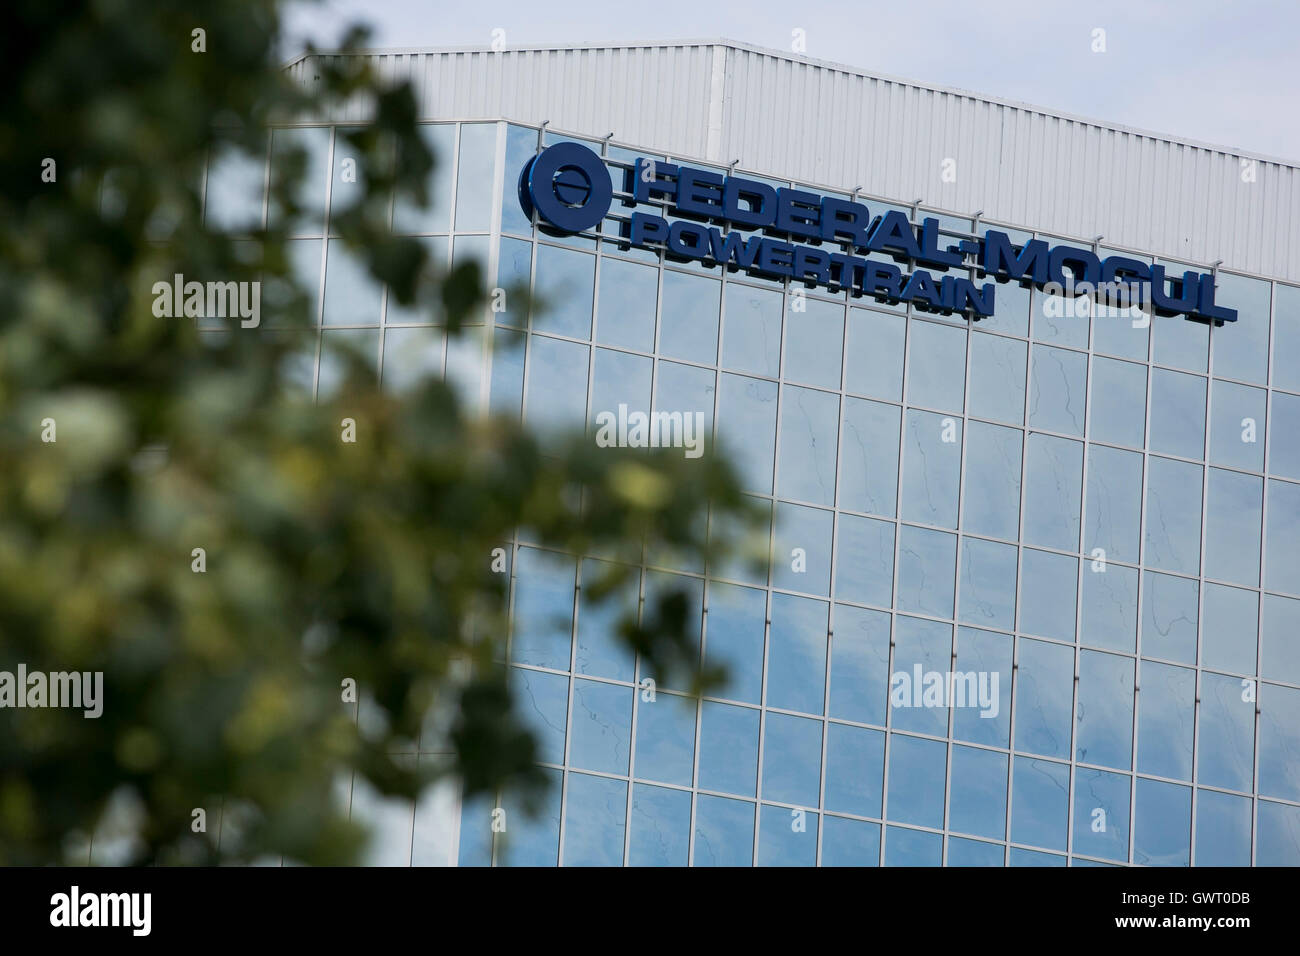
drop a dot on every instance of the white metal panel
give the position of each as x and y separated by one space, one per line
793 117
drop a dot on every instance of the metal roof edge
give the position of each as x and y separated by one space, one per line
823 65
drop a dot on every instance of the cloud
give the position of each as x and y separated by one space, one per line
1197 69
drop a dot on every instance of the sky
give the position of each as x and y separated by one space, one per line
1221 73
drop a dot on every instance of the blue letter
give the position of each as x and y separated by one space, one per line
849 271
696 248
733 250
767 262
1189 290
814 263
647 228
965 295
761 199
643 190
1207 307
1062 255
845 220
797 212
699 192
1115 268
931 254
921 286
895 232
1000 258
881 279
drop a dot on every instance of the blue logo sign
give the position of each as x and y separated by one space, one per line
568 186
827 241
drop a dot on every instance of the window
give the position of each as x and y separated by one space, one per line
864 560
308 181
869 457
997 378
993 481
751 337
1119 399
724 832
1047 593
1053 487
988 583
809 432
916 780
1173 523
1114 504
850 842
814 342
235 190
625 314
564 292
1044 692
543 609
926 569
594 816
1177 414
557 383
660 826
792 751
860 665
1101 814
978 804
1162 824
1284 453
796 654
352 295
478 146
1166 720
931 468
936 366
736 630
1104 716
1108 616
787 837
802 548
688 320
918 644
874 354
1232 527
665 738
601 733
855 763
1237 415
1057 390
747 416
1040 798
728 748
1241 347
440 139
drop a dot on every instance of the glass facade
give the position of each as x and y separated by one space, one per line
1093 519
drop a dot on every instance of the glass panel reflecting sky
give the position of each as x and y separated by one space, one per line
1030 493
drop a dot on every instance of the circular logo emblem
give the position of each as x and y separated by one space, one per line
568 187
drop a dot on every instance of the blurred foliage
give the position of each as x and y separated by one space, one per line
325 560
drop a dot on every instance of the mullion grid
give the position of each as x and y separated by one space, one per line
898 523
954 636
1080 569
